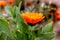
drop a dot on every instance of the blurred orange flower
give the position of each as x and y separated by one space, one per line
33 18
3 3
57 15
11 1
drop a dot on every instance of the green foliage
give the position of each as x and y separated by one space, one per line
23 31
4 26
11 10
4 29
48 28
46 33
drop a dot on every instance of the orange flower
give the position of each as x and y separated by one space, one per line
57 15
33 18
3 3
11 1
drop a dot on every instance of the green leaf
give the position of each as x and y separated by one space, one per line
4 26
46 36
11 10
46 33
48 28
38 34
20 21
21 24
21 36
4 29
3 36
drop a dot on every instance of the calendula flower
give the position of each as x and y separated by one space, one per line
33 18
11 1
3 3
57 15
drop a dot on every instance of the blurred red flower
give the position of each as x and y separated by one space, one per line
28 3
57 15
53 10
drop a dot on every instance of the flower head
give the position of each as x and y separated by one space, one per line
33 18
11 1
28 3
3 3
57 15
